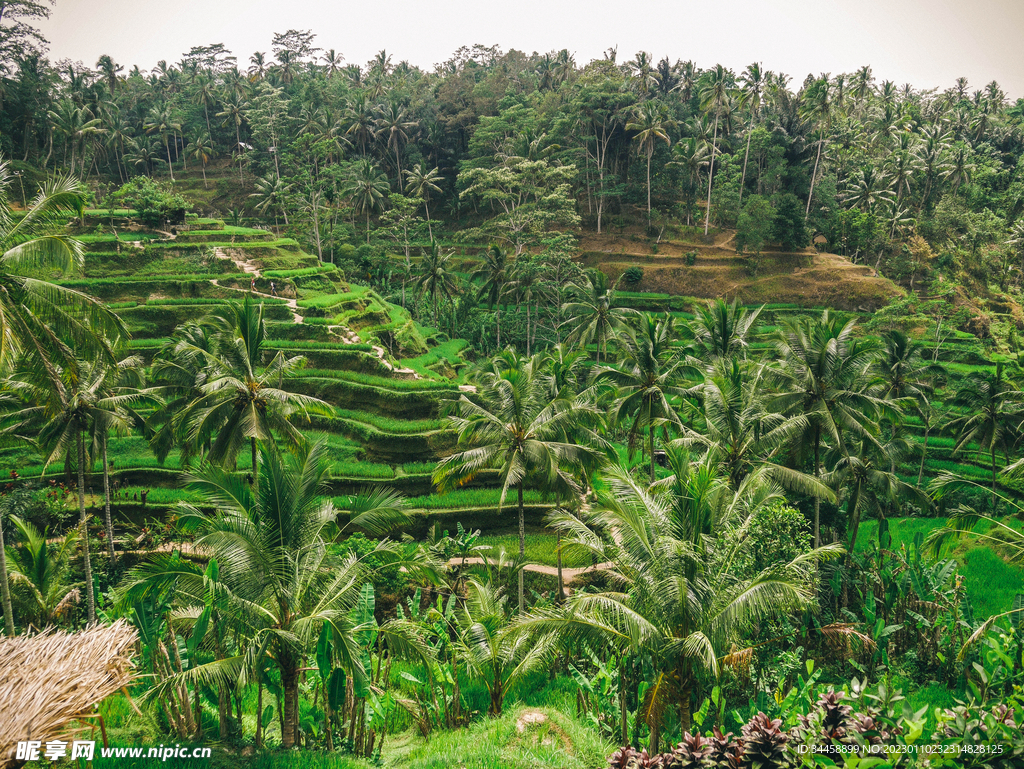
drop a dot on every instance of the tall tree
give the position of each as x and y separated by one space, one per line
825 377
421 184
754 81
991 407
513 426
37 317
649 121
244 401
817 108
713 98
650 372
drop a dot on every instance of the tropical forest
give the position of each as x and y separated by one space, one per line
523 412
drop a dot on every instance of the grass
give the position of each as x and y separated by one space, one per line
396 426
990 581
418 468
385 383
446 351
464 498
557 742
368 470
541 547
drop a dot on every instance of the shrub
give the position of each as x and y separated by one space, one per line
633 275
691 258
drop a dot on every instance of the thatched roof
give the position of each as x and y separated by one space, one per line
51 678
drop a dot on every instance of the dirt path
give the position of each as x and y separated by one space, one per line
249 268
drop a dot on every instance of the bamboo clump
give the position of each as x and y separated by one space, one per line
49 679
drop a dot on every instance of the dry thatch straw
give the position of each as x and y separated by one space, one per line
52 678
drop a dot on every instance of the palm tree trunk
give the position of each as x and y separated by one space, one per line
5 588
814 175
924 452
993 454
85 528
685 719
527 329
252 451
106 502
522 547
290 685
817 500
498 320
238 148
711 175
650 152
430 230
259 711
167 146
205 187
558 555
367 226
746 154
650 431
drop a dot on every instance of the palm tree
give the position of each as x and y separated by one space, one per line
714 97
678 601
177 376
420 184
650 372
271 192
394 126
144 153
436 276
824 376
244 400
740 434
722 330
110 70
691 155
206 95
277 581
650 121
160 122
40 574
233 112
869 189
64 412
817 107
905 378
493 272
752 94
366 186
486 642
77 124
202 150
332 62
358 120
593 316
49 322
992 408
123 378
512 425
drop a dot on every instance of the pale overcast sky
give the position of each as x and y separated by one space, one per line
928 43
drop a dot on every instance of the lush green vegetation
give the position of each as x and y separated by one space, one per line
527 516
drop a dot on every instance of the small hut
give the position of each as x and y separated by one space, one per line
50 679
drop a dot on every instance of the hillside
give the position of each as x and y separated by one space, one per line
682 264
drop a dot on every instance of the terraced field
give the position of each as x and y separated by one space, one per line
385 374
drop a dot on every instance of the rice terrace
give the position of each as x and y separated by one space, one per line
522 412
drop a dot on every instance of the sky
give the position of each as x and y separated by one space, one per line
928 43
